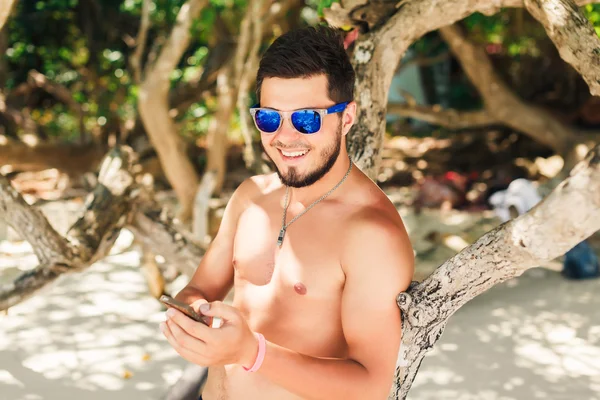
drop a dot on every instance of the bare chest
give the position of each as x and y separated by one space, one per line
307 262
276 285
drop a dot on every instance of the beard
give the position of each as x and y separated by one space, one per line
329 156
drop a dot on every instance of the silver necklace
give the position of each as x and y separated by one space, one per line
287 191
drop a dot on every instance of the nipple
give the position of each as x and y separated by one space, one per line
300 288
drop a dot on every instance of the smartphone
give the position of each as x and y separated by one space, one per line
186 309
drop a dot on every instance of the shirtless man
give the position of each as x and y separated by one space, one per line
322 293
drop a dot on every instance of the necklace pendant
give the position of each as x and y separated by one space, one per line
280 237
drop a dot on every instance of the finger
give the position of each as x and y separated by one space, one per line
197 304
220 309
184 339
193 328
182 351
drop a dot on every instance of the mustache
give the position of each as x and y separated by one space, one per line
289 146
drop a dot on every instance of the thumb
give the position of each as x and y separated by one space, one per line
221 310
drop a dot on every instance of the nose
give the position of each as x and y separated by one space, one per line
287 133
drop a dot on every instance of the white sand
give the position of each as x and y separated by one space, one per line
534 337
94 335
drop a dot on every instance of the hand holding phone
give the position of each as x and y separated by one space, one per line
186 309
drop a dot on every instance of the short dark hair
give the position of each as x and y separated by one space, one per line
306 52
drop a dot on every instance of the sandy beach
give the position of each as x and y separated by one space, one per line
94 334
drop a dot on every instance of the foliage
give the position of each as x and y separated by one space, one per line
86 45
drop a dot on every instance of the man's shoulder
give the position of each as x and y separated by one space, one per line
375 231
374 211
374 220
257 186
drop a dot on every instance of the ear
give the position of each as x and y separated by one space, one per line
349 117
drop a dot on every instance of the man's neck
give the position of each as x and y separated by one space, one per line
308 194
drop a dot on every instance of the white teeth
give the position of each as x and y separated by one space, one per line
294 153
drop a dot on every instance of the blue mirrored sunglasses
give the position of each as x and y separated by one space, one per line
306 121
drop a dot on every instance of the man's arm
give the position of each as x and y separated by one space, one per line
378 262
213 278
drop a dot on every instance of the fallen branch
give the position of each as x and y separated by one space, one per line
573 35
507 251
115 203
88 240
160 231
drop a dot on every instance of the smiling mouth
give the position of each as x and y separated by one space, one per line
293 154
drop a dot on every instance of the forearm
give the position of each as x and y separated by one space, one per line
190 295
318 378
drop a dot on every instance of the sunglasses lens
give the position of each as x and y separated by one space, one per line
306 121
267 121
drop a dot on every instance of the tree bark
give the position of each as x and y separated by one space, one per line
500 101
87 241
390 28
154 110
117 201
248 69
573 36
160 231
200 226
140 42
507 251
538 236
219 126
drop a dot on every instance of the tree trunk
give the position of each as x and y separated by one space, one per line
219 126
501 102
392 28
87 241
507 251
540 235
116 202
154 111
573 36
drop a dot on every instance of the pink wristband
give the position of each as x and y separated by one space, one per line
262 349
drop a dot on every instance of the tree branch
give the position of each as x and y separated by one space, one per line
500 101
140 42
219 56
451 119
62 94
392 28
573 35
71 159
154 110
117 201
88 240
159 231
507 251
246 78
31 224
